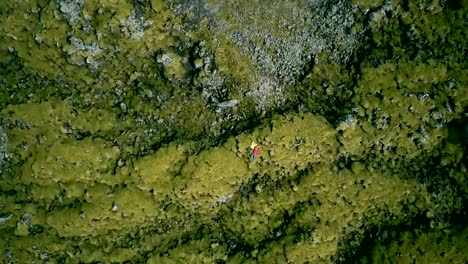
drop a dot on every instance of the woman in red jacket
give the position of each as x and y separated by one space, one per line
255 151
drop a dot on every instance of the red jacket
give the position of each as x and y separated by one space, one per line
255 151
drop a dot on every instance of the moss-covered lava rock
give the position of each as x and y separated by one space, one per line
125 127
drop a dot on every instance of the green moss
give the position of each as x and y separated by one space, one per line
293 142
433 246
233 63
326 218
196 251
81 162
368 4
160 172
95 120
400 104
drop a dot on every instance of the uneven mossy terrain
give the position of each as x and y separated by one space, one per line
124 127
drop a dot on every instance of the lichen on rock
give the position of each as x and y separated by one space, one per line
4 154
70 9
